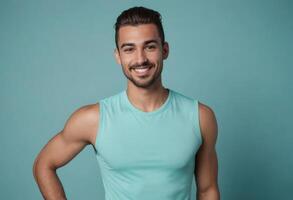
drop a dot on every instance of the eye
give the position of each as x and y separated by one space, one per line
127 50
151 47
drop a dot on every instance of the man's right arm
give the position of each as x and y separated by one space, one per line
79 131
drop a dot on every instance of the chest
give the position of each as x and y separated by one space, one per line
131 142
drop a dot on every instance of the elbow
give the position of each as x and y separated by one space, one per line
36 168
211 193
40 166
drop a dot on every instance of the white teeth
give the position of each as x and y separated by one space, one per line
141 70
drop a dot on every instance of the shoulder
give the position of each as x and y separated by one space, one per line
82 123
208 122
182 99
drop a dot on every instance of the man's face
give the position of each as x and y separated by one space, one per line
141 54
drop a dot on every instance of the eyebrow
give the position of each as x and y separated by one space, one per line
151 41
145 43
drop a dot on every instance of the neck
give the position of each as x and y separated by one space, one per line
147 99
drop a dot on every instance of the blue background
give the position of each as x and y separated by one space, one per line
235 56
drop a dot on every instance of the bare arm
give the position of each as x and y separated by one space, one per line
206 169
79 131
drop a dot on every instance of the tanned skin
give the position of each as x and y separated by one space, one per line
78 132
206 168
138 46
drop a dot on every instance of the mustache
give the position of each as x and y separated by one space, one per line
141 65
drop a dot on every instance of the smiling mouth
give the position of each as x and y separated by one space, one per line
142 70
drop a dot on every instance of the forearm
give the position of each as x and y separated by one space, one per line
210 194
49 184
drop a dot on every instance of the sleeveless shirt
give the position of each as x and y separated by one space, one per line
148 155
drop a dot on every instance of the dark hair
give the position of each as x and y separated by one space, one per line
139 15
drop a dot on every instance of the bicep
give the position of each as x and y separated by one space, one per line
76 134
206 167
60 150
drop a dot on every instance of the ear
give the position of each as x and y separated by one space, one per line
165 50
117 56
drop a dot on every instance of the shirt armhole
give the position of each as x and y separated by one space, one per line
100 125
197 122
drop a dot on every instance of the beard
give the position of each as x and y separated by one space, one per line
143 82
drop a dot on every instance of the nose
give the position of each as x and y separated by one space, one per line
141 57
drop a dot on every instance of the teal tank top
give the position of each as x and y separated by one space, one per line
148 155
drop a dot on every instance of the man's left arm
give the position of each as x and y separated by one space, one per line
206 163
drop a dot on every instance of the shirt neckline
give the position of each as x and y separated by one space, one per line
154 112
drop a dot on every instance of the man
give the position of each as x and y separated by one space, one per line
149 140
